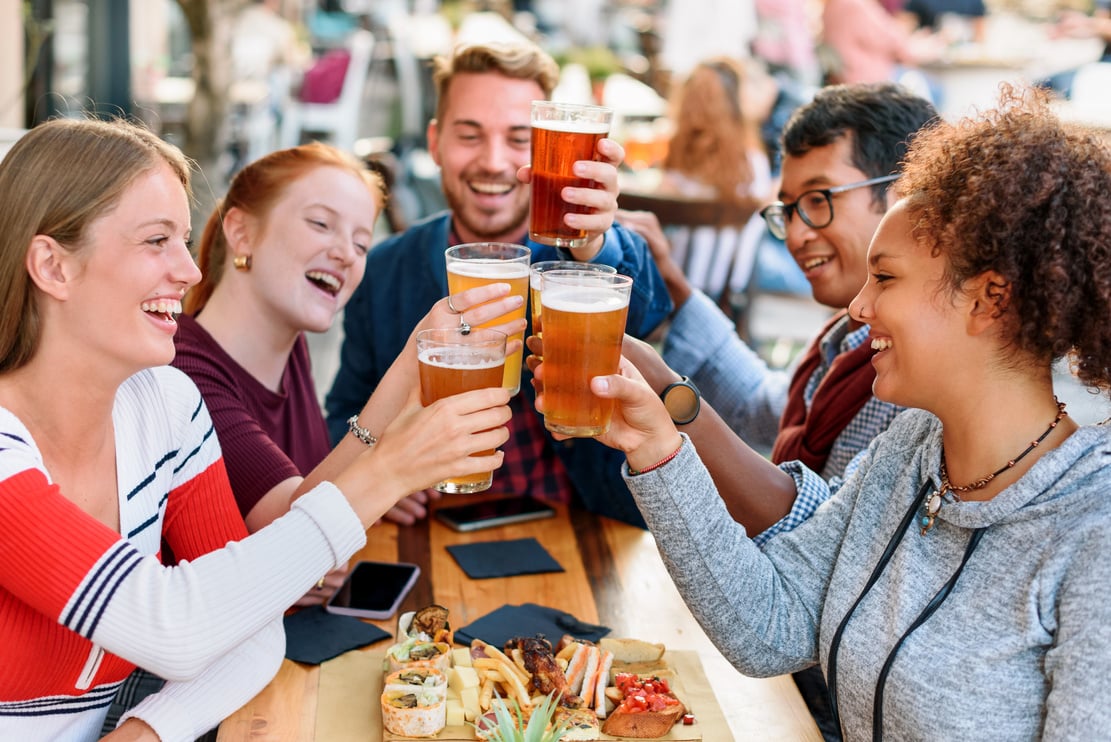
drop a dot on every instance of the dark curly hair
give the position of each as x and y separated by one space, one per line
1018 192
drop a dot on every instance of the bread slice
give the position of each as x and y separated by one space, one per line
632 651
642 724
581 724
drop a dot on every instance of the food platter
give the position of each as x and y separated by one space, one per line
682 669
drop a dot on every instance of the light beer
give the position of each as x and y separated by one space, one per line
583 328
536 271
447 369
562 134
482 263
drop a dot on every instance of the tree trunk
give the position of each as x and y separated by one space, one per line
206 135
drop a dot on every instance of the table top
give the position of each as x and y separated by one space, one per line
613 576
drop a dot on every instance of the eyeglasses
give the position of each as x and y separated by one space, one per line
815 208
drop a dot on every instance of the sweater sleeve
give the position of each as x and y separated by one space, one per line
184 710
762 613
173 621
1079 663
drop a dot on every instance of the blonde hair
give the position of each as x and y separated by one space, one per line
520 61
60 177
712 134
255 189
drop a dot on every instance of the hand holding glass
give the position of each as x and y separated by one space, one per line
482 263
584 323
562 134
451 363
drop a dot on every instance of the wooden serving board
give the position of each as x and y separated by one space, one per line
355 679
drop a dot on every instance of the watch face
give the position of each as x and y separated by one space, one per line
681 402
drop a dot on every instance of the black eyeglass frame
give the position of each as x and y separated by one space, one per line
781 212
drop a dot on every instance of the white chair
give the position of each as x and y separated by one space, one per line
339 119
1091 89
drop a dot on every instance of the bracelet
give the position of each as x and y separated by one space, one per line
658 464
360 432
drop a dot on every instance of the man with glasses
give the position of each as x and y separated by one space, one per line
842 151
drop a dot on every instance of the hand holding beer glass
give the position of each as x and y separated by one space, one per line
584 322
482 263
562 134
452 362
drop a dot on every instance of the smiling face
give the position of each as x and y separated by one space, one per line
916 322
479 143
833 258
130 275
309 252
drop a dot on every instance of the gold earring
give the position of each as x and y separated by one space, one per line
242 262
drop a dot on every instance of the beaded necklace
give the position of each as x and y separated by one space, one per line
932 505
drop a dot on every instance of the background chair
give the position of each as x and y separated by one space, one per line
339 119
714 242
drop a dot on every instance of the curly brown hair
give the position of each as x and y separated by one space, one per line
1016 191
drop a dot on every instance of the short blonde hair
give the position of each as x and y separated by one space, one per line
58 179
520 61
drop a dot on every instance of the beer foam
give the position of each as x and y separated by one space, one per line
466 358
582 300
573 127
486 268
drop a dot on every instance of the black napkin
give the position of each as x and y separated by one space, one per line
501 625
312 635
523 556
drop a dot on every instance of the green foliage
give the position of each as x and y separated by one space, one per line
511 726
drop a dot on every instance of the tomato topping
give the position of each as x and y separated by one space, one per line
644 694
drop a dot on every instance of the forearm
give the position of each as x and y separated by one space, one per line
756 492
185 710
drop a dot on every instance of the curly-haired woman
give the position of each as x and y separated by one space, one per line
955 586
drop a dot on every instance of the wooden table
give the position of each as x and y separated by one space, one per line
613 576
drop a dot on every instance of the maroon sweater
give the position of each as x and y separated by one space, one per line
266 437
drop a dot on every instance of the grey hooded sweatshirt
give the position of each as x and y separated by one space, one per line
1019 650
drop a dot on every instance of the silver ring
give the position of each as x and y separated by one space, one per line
451 307
463 326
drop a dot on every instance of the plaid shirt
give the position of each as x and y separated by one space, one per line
531 466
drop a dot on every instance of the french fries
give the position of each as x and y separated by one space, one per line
500 674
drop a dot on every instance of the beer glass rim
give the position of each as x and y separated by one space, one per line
545 266
457 252
579 277
455 336
568 107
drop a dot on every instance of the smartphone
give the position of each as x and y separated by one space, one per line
374 589
490 513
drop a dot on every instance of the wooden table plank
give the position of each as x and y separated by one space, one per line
613 576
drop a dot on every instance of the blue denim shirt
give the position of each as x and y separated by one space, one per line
406 275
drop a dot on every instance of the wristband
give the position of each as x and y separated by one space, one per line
658 464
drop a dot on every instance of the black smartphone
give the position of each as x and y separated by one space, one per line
374 589
490 513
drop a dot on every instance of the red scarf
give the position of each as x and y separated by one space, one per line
807 435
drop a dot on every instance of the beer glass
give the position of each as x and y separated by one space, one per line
584 321
535 275
452 362
562 134
481 263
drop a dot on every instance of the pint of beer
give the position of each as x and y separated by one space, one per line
536 276
562 134
451 363
584 321
481 263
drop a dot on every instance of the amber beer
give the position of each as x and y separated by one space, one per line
562 134
481 263
584 322
536 275
451 363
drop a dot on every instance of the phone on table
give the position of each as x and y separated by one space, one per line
374 589
490 513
